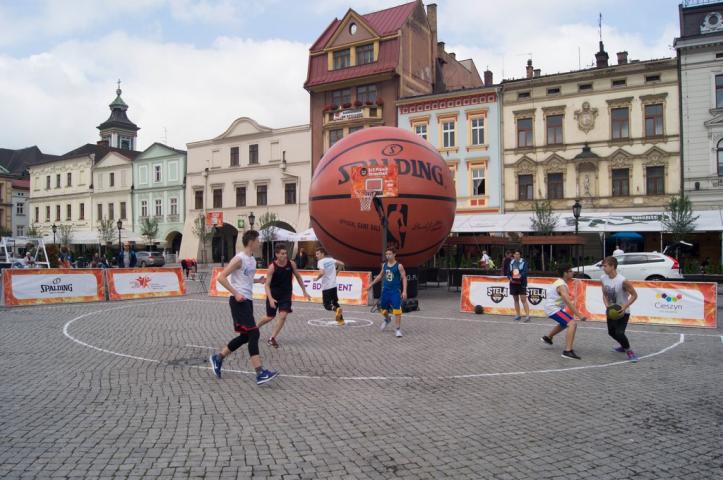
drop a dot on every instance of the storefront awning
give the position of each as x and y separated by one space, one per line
593 222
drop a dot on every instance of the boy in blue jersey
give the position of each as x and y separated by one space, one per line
394 289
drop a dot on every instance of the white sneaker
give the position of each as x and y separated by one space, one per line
399 332
385 323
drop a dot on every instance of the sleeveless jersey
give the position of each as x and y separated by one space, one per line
392 277
554 302
281 280
614 291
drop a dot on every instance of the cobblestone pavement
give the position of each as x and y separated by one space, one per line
127 394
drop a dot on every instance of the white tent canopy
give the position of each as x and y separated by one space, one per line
708 221
277 234
307 235
85 237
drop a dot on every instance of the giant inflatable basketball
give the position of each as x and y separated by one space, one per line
420 217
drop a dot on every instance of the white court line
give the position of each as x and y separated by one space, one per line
580 325
317 377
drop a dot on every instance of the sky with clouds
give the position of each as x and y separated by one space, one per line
190 67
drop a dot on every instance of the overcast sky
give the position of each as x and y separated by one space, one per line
190 67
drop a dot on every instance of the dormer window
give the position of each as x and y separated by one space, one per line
365 54
342 58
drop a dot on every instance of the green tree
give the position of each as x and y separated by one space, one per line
268 232
65 232
678 217
5 232
201 232
33 231
149 229
543 222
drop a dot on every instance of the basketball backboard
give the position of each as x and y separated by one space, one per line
370 182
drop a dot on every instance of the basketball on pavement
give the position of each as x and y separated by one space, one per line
420 217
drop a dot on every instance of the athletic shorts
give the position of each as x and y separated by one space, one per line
282 305
562 317
391 300
518 289
243 315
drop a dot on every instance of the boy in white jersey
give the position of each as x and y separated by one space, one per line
238 279
617 290
558 297
327 274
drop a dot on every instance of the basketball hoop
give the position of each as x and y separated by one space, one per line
366 198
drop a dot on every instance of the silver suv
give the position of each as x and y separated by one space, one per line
639 266
150 259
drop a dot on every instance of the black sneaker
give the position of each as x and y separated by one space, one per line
547 340
570 354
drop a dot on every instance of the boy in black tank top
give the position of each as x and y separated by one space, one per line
279 290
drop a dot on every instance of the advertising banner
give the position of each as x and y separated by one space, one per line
127 283
352 287
686 304
493 293
56 285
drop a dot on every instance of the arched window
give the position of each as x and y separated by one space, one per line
720 157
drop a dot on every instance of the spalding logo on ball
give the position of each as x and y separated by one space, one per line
420 217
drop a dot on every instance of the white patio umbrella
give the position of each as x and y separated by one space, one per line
307 235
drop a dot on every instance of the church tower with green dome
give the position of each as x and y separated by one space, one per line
118 131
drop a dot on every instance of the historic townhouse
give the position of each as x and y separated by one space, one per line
362 64
464 127
159 175
6 204
608 136
700 54
88 183
243 173
20 198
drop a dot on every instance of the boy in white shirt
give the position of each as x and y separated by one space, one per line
327 274
238 279
557 298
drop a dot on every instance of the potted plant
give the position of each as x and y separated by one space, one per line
368 103
357 103
347 105
334 107
328 107
380 102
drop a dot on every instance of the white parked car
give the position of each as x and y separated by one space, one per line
639 266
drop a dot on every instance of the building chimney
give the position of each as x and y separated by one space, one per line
453 55
622 58
529 68
488 78
601 57
102 143
536 72
432 17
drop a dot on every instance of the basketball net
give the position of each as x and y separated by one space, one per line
366 198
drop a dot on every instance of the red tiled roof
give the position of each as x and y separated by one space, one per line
384 22
24 184
386 62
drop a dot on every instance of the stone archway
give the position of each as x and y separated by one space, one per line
173 241
223 243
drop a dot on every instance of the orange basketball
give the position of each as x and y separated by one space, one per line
420 218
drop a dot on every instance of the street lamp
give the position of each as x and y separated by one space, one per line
252 219
576 208
55 229
120 227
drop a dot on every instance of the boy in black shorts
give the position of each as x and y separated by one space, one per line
238 279
279 290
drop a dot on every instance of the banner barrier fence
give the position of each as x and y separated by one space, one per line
129 283
352 287
686 304
58 285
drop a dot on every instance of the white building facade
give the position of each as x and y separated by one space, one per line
700 54
20 207
247 169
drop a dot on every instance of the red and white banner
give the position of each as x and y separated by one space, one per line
352 287
55 285
127 283
685 304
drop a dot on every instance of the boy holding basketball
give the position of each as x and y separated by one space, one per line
279 289
618 295
558 297
238 279
394 289
327 274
